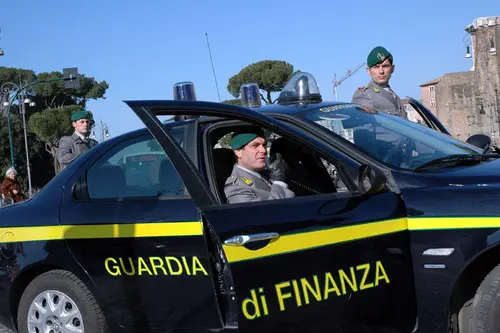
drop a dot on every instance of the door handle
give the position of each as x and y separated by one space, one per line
242 240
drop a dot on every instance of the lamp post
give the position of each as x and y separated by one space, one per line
7 88
23 101
104 129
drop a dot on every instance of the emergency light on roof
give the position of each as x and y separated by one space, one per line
302 88
184 91
250 95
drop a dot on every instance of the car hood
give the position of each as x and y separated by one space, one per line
483 173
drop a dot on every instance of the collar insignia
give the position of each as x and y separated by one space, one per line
247 181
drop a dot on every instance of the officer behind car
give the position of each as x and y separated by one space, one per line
378 95
70 147
247 182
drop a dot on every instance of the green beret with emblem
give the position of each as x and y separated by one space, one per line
378 55
81 114
243 136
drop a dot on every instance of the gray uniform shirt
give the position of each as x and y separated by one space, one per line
70 147
376 97
244 186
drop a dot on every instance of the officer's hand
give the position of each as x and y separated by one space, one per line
277 168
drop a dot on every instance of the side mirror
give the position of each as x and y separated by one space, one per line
480 140
370 180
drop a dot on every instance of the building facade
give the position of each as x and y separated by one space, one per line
467 102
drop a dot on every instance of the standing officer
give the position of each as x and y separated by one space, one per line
378 95
247 183
70 147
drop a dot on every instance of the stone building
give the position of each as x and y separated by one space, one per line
467 103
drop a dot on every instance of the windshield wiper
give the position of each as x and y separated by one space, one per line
455 160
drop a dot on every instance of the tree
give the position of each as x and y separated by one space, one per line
54 94
235 101
50 125
270 75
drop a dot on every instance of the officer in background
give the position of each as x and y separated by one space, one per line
70 147
378 94
247 182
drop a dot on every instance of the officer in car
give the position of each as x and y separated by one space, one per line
378 94
247 181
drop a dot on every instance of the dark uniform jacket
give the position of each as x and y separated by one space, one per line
244 186
70 147
376 97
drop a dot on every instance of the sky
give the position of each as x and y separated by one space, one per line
142 48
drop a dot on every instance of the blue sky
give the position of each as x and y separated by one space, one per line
141 48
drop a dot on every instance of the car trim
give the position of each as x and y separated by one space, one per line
92 231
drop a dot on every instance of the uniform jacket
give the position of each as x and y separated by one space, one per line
8 187
243 186
376 97
70 147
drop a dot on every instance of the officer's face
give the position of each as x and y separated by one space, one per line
381 73
253 155
82 126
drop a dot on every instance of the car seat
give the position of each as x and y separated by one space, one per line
169 180
108 181
224 161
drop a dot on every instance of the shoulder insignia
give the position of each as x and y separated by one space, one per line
362 88
377 90
246 181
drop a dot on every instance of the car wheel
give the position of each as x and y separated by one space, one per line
57 301
482 313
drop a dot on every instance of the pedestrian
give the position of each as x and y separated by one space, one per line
71 147
247 181
11 189
378 95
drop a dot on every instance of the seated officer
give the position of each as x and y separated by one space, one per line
247 183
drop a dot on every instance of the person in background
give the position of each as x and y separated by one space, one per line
70 147
11 189
378 95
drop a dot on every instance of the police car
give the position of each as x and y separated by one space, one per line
136 235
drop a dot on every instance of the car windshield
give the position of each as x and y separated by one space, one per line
393 141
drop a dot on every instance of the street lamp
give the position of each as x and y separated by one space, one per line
7 88
24 101
104 129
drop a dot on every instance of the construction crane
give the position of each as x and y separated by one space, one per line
345 77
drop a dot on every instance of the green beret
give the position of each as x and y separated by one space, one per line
82 114
377 56
243 136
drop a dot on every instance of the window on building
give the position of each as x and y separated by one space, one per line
432 101
431 88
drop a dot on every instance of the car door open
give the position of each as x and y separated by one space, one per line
328 262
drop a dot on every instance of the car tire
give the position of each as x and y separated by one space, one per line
482 313
58 298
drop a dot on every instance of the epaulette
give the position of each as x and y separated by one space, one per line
247 181
363 88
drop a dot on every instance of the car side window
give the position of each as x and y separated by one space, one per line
134 168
